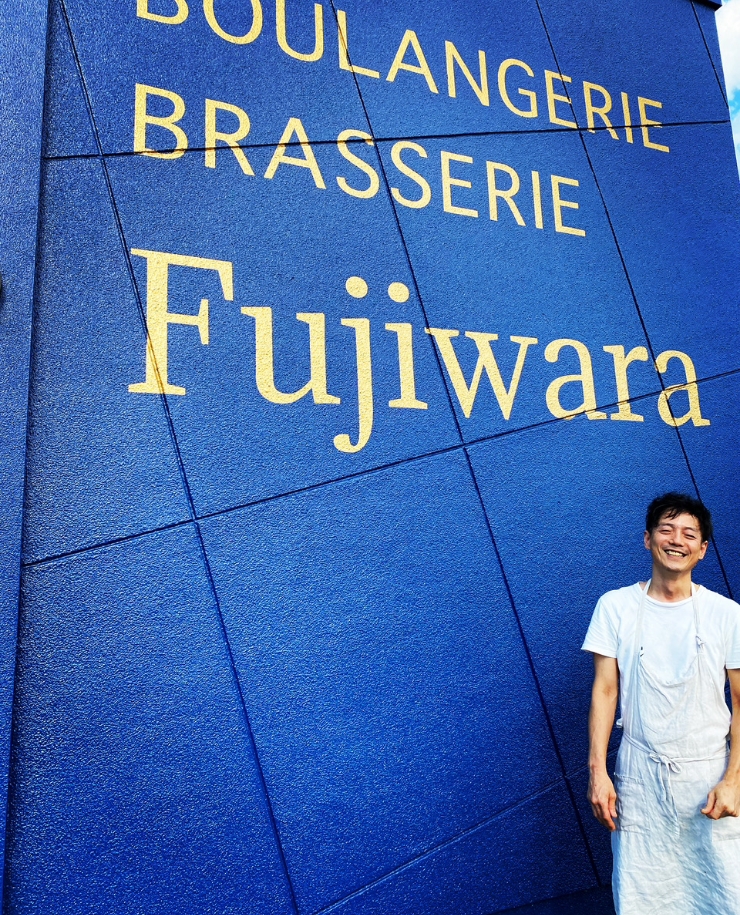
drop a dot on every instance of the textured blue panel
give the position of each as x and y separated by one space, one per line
391 698
118 50
530 852
677 219
567 504
22 52
403 103
648 48
293 247
479 274
592 902
716 467
67 127
134 788
99 465
708 24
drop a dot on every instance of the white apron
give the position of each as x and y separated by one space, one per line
669 859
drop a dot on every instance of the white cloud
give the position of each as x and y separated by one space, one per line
728 26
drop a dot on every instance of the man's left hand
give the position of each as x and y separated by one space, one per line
723 801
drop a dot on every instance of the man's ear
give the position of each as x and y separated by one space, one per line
703 552
647 540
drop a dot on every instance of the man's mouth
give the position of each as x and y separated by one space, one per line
675 553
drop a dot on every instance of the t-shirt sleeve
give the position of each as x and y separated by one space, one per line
602 637
733 642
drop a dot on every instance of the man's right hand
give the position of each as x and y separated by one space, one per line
603 799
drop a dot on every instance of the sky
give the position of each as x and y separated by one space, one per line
728 26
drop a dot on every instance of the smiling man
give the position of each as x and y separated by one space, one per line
665 649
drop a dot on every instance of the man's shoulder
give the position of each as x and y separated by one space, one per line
612 610
718 602
620 597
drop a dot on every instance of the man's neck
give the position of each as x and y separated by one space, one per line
670 588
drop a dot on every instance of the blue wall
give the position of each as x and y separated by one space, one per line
22 45
302 634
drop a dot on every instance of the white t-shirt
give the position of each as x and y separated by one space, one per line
667 633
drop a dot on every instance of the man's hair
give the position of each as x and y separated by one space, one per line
673 504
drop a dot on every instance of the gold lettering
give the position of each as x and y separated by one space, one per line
407 399
558 204
410 39
142 11
142 118
448 182
508 195
553 97
452 57
231 139
537 195
629 133
282 33
265 359
585 379
602 112
294 126
158 318
486 360
250 36
364 388
645 123
691 388
365 167
621 364
344 63
426 191
530 112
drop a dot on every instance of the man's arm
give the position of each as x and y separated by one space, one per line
724 799
604 697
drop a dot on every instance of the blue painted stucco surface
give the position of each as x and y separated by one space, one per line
640 43
22 43
259 673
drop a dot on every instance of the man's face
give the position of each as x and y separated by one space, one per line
675 544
